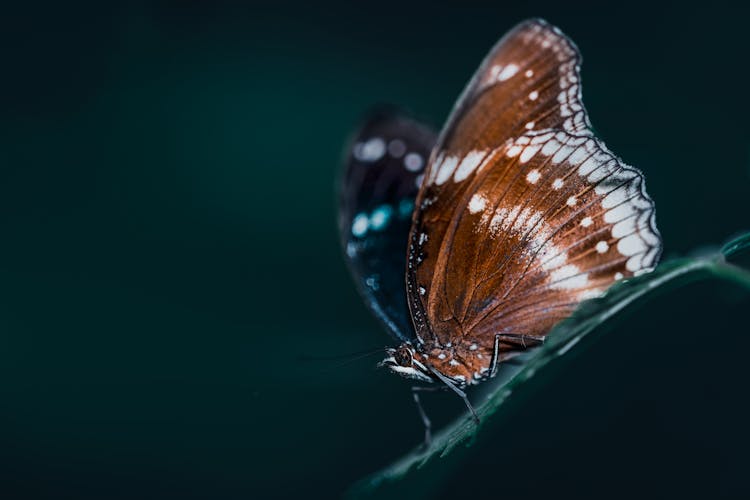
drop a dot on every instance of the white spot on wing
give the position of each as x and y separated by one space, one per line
634 264
578 156
470 162
370 151
528 153
563 153
553 258
591 293
614 198
447 166
351 249
586 222
380 217
413 162
477 203
507 72
533 176
619 213
624 228
602 246
557 184
534 95
372 282
568 277
359 225
631 245
513 151
396 148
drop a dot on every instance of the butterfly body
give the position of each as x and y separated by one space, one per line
521 214
465 363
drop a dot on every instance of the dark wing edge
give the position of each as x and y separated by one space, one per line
383 166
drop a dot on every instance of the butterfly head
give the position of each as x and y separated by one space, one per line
405 361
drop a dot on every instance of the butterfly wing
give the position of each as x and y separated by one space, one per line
383 170
523 213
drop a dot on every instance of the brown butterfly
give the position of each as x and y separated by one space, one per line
521 214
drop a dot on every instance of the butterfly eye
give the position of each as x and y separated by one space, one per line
403 356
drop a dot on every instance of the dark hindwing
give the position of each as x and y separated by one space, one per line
523 213
383 169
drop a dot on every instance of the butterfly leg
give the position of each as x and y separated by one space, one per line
495 353
425 419
496 349
415 390
461 394
523 337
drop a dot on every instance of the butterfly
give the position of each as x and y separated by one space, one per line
470 245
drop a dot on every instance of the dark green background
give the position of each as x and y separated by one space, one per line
168 252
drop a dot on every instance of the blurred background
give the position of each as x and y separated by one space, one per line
169 253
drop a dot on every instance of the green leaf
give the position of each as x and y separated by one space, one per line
489 398
736 246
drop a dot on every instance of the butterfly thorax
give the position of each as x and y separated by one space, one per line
462 364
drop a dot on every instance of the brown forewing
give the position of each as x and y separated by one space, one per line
523 213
